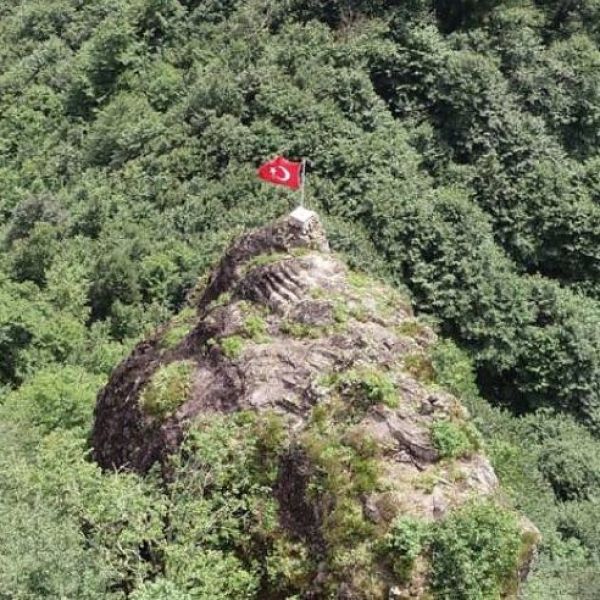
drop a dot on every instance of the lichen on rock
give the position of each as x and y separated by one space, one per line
285 333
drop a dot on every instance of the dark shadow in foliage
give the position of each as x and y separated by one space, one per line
37 209
458 14
115 278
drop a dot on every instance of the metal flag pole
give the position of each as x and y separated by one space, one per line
303 176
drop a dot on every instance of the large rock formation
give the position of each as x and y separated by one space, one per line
283 328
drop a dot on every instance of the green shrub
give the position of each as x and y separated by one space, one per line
341 311
342 472
345 525
289 565
403 543
56 398
223 518
159 589
367 386
255 328
453 369
221 300
174 335
359 280
210 574
411 328
232 346
455 439
74 530
340 469
419 365
571 466
49 555
168 388
475 553
579 521
180 326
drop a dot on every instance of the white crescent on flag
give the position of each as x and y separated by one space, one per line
281 171
283 177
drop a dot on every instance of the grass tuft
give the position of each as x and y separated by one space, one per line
168 389
232 346
455 439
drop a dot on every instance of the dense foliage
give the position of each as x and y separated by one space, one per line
454 148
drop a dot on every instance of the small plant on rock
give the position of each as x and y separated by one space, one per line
419 365
221 300
265 259
453 369
359 281
289 565
232 346
455 439
255 328
410 328
179 328
301 330
368 386
168 389
404 542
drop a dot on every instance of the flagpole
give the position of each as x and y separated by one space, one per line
302 192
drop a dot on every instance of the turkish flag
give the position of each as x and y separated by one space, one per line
281 171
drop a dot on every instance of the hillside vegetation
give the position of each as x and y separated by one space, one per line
455 154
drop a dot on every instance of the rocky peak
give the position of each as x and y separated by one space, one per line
278 313
284 328
301 230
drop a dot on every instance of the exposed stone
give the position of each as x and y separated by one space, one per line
314 324
412 437
480 475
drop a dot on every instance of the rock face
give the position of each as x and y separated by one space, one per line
281 327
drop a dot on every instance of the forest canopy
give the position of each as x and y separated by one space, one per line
455 151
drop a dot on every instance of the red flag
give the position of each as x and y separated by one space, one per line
281 171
